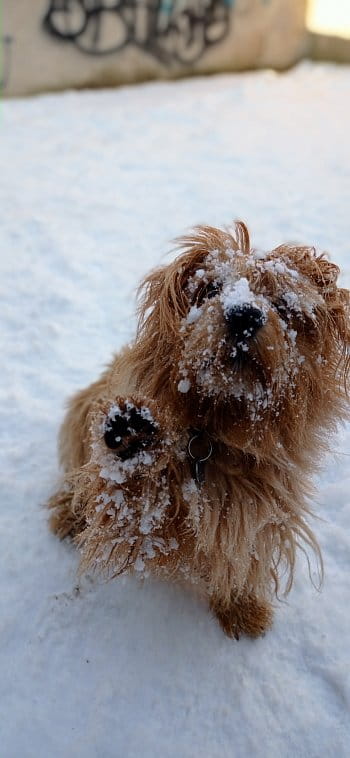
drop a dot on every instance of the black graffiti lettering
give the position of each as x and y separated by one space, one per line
170 30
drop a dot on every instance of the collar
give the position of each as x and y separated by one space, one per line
199 450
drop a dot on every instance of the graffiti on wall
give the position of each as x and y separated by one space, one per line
170 30
6 44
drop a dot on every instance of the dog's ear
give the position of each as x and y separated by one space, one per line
337 302
317 268
162 297
323 273
338 308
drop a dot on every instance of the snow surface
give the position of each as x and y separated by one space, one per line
93 187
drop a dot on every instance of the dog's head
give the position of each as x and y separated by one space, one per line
246 334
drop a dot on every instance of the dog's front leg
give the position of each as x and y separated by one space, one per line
243 615
129 428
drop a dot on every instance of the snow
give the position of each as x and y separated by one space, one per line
94 185
279 267
239 293
184 385
193 315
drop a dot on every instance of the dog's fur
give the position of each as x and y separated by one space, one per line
259 403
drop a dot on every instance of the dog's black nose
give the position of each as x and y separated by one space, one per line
244 320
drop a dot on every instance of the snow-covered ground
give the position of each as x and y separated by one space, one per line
93 186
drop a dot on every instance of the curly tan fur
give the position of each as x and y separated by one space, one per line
265 403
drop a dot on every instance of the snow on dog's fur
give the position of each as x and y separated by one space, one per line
190 458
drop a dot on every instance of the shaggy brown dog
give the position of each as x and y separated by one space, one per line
190 457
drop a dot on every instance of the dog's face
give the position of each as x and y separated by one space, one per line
246 330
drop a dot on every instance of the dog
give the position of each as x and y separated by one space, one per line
191 457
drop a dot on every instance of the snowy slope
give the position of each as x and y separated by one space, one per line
93 186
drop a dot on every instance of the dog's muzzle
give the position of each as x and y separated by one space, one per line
244 321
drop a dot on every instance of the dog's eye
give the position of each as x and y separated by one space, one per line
302 321
210 290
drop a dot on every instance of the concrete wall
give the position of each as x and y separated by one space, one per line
55 44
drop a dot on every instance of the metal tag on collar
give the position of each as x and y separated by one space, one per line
198 461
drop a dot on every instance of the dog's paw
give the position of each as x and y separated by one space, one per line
129 428
246 615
